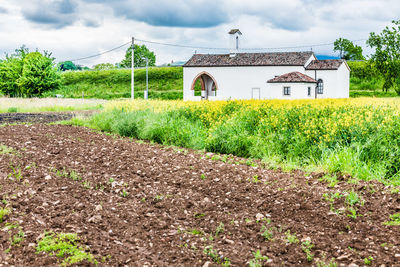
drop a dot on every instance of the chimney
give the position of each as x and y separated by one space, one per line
234 36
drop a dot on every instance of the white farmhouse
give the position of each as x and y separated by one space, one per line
283 75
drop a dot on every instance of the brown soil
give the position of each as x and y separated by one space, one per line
42 117
170 214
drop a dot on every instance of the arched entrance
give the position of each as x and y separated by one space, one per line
204 85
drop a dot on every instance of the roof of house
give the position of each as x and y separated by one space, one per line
327 64
250 59
293 77
233 31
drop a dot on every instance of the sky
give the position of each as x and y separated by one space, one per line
73 29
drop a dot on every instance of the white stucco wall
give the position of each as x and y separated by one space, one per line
238 82
235 82
297 91
336 82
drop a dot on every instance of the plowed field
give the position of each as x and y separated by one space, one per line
135 204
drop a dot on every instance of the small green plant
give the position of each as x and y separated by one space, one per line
255 179
16 173
330 180
258 259
199 215
17 238
352 213
306 246
213 254
12 110
86 184
267 233
353 198
216 157
220 229
195 232
203 176
124 193
111 180
331 198
394 220
291 238
74 176
4 212
368 261
6 150
10 226
65 246
331 263
158 198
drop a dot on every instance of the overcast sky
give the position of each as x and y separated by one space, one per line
78 28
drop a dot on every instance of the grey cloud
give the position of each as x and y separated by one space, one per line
3 10
286 15
91 23
171 13
54 14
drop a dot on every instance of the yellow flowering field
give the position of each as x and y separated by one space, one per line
343 113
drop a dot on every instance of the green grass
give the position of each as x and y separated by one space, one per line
66 247
394 220
3 212
366 82
6 150
12 105
164 83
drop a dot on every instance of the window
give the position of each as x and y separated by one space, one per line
320 87
237 42
286 90
309 91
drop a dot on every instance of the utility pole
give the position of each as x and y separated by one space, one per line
146 93
133 70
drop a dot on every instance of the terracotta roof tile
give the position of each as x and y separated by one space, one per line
249 59
233 31
293 77
329 64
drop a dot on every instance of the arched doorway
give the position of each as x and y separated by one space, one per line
204 85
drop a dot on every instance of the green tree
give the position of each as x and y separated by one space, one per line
27 74
386 58
141 52
347 50
67 65
38 74
104 66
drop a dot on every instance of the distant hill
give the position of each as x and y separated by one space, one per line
323 57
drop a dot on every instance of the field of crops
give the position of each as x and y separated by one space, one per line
360 137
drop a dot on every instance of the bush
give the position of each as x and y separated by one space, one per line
28 74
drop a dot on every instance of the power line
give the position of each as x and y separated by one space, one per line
208 48
182 46
99 54
225 48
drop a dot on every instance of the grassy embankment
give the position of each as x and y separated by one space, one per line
48 104
164 83
360 137
167 83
